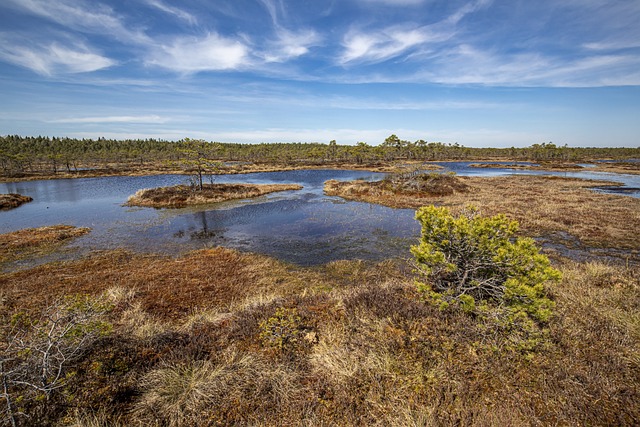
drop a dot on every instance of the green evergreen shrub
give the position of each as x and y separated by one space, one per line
477 263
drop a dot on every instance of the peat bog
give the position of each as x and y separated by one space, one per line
219 336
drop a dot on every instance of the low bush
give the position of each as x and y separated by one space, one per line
475 261
38 349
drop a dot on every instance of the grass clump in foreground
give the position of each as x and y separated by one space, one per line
29 241
218 337
184 195
10 201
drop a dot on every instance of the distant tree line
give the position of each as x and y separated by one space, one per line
20 155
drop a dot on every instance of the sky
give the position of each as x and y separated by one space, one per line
482 73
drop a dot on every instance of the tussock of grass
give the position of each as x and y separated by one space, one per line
207 392
10 201
183 195
83 418
27 241
141 324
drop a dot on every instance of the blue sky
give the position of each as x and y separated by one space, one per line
478 72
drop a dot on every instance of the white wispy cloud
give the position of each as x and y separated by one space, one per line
613 44
466 9
289 45
81 15
378 45
171 10
196 54
469 65
113 119
53 58
275 9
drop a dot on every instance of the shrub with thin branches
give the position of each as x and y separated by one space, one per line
37 350
471 258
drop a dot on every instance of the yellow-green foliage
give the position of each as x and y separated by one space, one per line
471 258
283 330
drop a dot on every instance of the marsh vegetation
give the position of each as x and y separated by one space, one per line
548 206
32 241
187 195
478 327
220 337
11 201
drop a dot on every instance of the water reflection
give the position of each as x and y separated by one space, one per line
306 230
304 227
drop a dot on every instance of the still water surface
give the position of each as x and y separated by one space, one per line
304 227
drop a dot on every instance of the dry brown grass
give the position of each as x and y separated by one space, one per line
209 392
188 350
543 205
183 195
632 168
31 241
166 287
10 201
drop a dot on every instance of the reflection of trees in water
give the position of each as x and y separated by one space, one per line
200 231
204 232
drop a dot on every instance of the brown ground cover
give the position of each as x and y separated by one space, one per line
357 347
220 337
166 287
183 195
619 167
36 240
623 167
543 205
10 201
